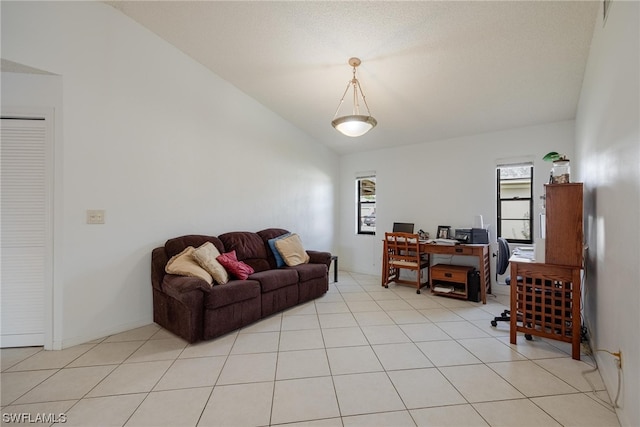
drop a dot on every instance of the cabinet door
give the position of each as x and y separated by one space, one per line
563 245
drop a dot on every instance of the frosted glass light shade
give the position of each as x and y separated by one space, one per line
356 125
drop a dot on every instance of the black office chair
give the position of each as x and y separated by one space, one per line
502 263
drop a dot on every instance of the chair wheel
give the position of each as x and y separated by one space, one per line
528 337
386 286
418 291
494 323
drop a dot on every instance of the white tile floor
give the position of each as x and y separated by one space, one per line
361 355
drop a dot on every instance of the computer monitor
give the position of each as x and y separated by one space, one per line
403 227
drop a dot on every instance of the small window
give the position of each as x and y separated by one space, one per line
515 203
366 205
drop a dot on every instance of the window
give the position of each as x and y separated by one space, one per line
366 204
515 203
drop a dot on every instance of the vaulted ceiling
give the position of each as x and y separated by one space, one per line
431 70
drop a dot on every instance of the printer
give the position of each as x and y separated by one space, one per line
472 235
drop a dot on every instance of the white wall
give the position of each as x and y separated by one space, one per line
608 155
440 183
162 145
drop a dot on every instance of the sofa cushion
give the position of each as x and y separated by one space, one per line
178 244
233 292
292 251
237 269
271 280
249 247
270 233
206 256
310 271
276 254
183 264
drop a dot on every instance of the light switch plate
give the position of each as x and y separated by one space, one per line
95 216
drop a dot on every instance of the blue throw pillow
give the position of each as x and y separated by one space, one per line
272 244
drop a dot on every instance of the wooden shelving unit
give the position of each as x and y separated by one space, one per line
453 278
546 297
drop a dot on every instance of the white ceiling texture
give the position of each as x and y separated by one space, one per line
431 70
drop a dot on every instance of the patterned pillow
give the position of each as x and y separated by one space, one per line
237 268
206 255
292 250
184 264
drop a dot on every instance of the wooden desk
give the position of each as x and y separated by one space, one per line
479 251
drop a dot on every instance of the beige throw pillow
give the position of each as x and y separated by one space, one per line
206 255
184 264
292 251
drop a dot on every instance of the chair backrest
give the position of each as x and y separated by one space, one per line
503 256
404 246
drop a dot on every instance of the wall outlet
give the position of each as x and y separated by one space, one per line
95 216
618 357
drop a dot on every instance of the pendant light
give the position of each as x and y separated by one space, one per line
355 124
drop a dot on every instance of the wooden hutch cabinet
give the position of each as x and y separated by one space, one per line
564 242
546 296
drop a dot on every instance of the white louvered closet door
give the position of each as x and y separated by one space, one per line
24 218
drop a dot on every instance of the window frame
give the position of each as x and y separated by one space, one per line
360 203
500 201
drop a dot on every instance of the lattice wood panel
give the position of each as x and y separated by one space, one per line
546 300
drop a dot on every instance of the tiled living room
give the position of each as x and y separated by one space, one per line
359 355
141 139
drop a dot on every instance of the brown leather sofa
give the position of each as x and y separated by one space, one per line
194 310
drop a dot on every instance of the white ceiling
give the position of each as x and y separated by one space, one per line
430 70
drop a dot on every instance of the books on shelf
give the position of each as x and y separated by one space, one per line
443 289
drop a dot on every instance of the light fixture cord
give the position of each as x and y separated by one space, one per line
364 98
356 85
341 100
356 106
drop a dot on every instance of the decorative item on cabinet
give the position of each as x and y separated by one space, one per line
561 170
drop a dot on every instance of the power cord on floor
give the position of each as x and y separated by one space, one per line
589 353
584 340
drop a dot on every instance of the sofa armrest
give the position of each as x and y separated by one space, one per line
159 260
175 285
319 257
